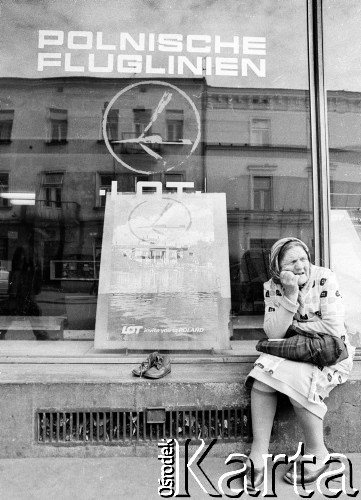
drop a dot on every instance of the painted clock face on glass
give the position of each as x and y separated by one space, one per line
159 221
159 127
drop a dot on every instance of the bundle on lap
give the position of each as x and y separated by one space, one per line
318 348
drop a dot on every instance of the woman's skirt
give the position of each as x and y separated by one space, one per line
295 379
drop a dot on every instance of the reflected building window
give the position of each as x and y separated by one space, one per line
104 186
4 255
126 183
6 125
4 188
333 195
175 121
262 193
344 192
260 132
58 126
144 178
264 243
52 187
112 126
142 118
173 177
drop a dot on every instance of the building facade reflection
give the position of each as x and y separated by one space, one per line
254 146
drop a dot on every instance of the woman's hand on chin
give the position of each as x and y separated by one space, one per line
290 284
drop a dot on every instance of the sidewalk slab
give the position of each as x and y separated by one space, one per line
126 478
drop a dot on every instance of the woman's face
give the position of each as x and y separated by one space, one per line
295 260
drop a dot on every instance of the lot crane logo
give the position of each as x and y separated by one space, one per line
158 221
170 106
169 484
131 329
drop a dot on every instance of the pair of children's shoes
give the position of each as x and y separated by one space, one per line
155 366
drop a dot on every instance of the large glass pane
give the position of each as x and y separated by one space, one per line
342 72
258 151
215 93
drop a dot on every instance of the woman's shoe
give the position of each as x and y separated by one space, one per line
309 476
257 480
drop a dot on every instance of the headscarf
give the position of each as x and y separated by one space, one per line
278 248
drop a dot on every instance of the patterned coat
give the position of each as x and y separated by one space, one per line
319 308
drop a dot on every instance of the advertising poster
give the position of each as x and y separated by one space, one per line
164 282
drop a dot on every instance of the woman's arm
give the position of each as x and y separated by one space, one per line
279 312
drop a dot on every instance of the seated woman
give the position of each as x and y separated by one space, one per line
306 296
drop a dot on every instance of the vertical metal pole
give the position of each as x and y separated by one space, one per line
319 145
204 131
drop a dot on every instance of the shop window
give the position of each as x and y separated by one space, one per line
52 186
112 126
4 188
230 107
175 122
58 126
6 125
343 89
262 193
260 132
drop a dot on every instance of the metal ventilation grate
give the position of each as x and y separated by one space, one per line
107 426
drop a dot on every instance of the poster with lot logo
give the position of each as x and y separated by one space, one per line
164 272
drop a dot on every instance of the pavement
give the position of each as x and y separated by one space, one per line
131 478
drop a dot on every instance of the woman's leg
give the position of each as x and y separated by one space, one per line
263 407
312 427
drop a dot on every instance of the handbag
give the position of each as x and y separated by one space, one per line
318 348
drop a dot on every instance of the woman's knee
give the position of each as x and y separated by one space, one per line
304 412
295 403
262 387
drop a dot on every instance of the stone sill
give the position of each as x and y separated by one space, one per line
14 351
83 352
113 373
121 374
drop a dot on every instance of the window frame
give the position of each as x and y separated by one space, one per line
51 191
58 124
319 134
174 117
254 129
270 191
